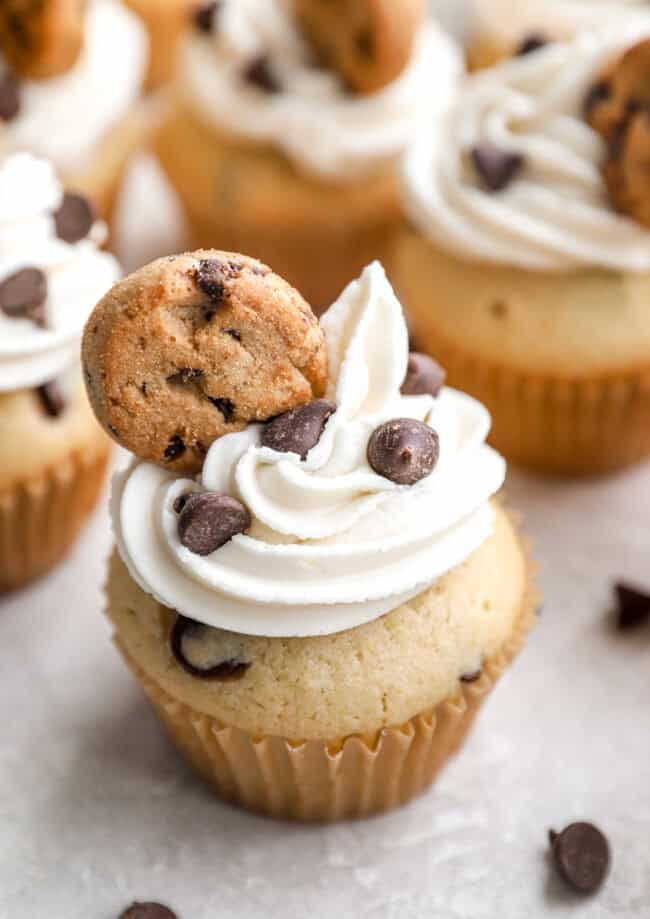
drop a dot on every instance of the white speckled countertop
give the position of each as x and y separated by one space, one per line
96 809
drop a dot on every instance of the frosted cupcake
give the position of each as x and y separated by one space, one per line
70 78
273 153
268 604
526 267
52 452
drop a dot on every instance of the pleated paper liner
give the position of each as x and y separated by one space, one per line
324 781
41 518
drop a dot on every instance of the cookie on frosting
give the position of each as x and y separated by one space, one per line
368 43
195 346
41 38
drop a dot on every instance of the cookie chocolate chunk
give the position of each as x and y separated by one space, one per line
165 373
368 43
41 38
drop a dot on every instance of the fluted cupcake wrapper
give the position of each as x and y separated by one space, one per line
41 518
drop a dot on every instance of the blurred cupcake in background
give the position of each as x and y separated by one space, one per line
165 21
286 123
526 263
52 452
70 78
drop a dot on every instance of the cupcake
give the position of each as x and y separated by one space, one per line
318 605
70 78
52 453
165 21
526 263
272 152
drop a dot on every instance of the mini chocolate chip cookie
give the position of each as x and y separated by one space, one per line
195 346
41 38
367 43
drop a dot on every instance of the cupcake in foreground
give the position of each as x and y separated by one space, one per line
63 97
52 452
286 123
315 604
526 264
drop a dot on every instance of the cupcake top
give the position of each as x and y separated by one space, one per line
332 514
513 172
63 117
246 69
51 272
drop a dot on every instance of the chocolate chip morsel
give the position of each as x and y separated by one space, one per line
210 278
148 911
74 218
51 399
259 73
496 168
210 654
208 521
471 677
633 606
581 855
9 97
300 429
403 450
531 43
203 17
23 295
424 376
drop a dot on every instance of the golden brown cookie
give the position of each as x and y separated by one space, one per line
41 38
195 346
368 42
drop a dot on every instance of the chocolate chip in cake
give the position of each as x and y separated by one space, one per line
403 450
424 376
148 911
203 17
531 43
496 168
9 97
300 429
260 74
185 375
74 218
208 521
633 607
175 448
207 653
23 295
210 278
225 406
51 399
581 855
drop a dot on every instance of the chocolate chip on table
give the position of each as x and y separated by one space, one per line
9 97
581 855
531 43
203 17
403 450
51 399
208 521
633 606
23 295
148 911
298 430
175 448
210 278
496 168
424 376
191 645
74 218
259 73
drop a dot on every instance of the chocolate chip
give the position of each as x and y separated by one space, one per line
185 375
259 73
532 42
51 399
581 856
204 652
23 295
148 911
472 677
74 218
203 17
210 277
175 448
9 97
233 334
225 406
496 168
633 606
598 93
300 429
208 521
424 376
403 450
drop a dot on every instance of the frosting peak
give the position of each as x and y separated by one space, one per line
332 544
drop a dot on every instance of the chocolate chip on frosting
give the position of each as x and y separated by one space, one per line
204 16
148 910
74 218
23 295
633 606
424 376
299 430
207 653
51 399
403 450
531 43
496 168
260 74
208 521
9 97
581 855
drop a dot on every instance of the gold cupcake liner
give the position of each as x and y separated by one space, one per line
325 781
41 518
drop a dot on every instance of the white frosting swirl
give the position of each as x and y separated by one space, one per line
78 274
556 214
332 544
64 118
314 121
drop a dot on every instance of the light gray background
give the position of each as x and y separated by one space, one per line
96 809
